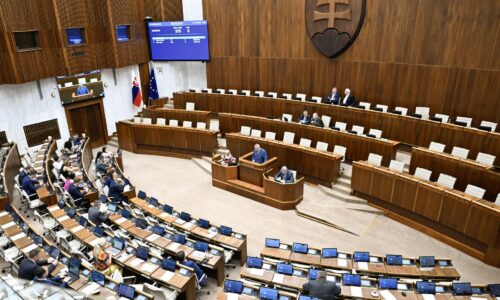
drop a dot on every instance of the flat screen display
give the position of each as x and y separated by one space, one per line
351 279
394 260
300 248
272 243
254 262
426 287
388 283
233 286
329 252
268 293
186 40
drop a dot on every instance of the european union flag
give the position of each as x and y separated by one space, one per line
153 88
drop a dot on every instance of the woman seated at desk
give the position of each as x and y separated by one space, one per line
228 160
103 261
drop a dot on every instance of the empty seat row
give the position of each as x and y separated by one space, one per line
162 122
482 158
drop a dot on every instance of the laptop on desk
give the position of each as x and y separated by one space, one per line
118 245
73 270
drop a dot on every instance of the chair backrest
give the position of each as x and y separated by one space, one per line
326 120
322 146
316 98
270 135
208 90
137 119
161 121
403 110
245 130
377 133
438 147
201 125
366 105
485 159
423 173
444 118
474 191
423 111
287 117
287 96
273 94
256 133
173 122
302 97
259 93
159 293
446 180
189 105
341 125
358 129
305 142
232 91
492 125
146 121
383 107
375 159
288 137
460 152
339 150
222 91
397 166
187 124
465 120
246 92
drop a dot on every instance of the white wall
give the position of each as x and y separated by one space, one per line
21 105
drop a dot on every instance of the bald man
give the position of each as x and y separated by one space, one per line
348 99
259 154
321 288
284 175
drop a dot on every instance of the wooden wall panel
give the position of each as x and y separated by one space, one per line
171 10
409 53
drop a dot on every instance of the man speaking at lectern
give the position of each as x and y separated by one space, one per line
259 155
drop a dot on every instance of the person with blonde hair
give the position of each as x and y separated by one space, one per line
102 260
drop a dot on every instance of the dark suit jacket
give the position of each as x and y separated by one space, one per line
28 268
75 192
335 99
288 176
115 191
260 157
317 122
351 101
322 289
305 120
21 176
96 217
29 186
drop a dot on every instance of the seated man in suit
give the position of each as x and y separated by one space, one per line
317 121
259 154
116 189
75 193
42 276
30 185
96 215
321 288
181 258
284 176
348 99
304 118
24 173
333 97
31 266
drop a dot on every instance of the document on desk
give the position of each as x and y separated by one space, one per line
167 276
152 237
91 289
63 218
232 296
342 262
136 262
386 294
76 228
211 234
257 272
173 246
198 254
52 208
179 221
29 248
362 265
163 215
123 257
356 291
283 247
147 267
17 236
188 225
3 213
120 220
428 297
10 224
278 278
479 298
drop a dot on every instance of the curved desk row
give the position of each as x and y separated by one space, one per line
9 171
405 129
165 140
465 222
316 166
358 146
176 114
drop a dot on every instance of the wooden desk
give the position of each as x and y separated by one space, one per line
316 166
165 140
45 196
276 253
252 172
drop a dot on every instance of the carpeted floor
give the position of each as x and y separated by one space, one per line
187 186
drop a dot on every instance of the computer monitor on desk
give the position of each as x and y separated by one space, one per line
427 261
233 286
394 260
272 243
329 252
300 248
126 291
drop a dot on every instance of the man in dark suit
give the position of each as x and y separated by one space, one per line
348 99
259 154
116 189
333 97
30 186
74 191
321 288
24 173
304 118
31 266
317 121
97 216
284 176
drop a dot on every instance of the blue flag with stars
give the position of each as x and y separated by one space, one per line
153 88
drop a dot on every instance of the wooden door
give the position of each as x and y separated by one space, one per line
88 117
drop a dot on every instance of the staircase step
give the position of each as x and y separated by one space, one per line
344 181
342 188
341 195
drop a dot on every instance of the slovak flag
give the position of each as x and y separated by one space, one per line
136 91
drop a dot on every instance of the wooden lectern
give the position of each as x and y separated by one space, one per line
253 172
